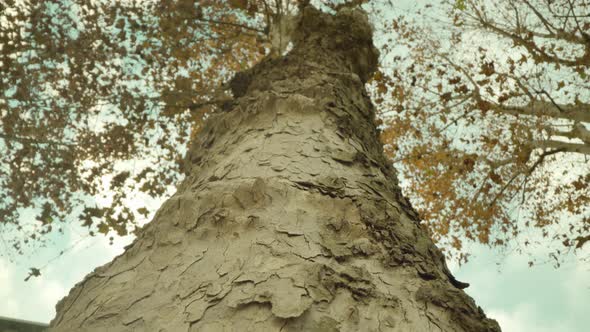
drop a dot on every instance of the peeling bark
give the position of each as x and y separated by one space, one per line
289 219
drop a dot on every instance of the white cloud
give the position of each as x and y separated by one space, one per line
521 298
8 305
49 293
523 319
33 300
577 289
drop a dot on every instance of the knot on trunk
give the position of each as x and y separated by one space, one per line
348 34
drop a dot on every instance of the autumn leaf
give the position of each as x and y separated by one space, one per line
102 228
581 240
33 272
488 68
239 4
460 5
495 178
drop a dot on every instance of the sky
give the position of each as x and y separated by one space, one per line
521 298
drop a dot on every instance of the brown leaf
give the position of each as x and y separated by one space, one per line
495 178
581 240
239 4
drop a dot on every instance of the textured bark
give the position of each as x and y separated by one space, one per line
289 219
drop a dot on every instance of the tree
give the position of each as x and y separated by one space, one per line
89 87
289 217
488 117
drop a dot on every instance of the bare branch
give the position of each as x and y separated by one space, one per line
196 106
575 17
529 171
36 140
578 113
564 146
586 15
537 52
545 22
235 25
578 131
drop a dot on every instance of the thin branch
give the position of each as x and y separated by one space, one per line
567 16
580 113
578 131
236 25
537 52
584 34
545 22
196 106
564 146
527 173
36 140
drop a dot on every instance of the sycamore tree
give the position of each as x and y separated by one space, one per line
487 113
289 217
95 94
100 99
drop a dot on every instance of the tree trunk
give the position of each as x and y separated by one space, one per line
289 219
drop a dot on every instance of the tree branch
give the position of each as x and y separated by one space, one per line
537 52
577 113
586 15
35 140
235 25
578 131
545 22
529 171
564 146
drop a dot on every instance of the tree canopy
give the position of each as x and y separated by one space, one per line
485 111
488 116
90 86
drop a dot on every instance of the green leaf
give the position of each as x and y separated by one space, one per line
103 228
460 4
